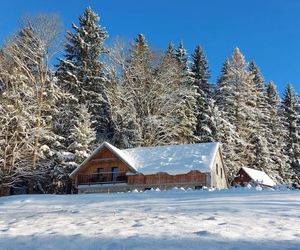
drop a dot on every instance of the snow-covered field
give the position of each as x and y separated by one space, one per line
229 219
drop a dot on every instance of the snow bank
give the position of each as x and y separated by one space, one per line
176 219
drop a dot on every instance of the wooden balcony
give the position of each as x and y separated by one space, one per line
102 178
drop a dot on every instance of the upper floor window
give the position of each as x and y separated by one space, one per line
217 169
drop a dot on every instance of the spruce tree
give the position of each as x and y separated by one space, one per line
291 123
170 52
275 135
182 57
224 93
237 108
176 101
259 146
205 129
224 96
82 73
82 135
138 82
244 105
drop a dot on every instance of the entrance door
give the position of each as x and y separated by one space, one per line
115 174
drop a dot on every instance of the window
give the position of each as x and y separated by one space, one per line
114 173
221 171
100 170
217 169
100 174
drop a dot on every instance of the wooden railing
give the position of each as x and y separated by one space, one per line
102 178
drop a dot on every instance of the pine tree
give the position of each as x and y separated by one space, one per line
205 129
82 74
291 124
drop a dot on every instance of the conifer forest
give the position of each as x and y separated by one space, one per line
62 95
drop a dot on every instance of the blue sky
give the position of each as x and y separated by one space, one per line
267 31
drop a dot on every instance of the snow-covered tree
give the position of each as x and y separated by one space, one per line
176 103
237 106
138 83
182 57
244 105
82 135
206 128
291 124
155 102
259 146
275 136
120 96
170 52
226 131
28 104
82 74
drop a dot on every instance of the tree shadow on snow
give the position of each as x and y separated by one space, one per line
198 240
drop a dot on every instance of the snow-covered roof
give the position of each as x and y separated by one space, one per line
172 159
259 176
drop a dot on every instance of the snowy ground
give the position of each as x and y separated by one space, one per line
230 219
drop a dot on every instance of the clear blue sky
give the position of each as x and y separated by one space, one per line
267 31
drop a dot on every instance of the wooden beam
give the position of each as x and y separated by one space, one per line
104 159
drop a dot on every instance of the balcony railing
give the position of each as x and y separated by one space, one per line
102 178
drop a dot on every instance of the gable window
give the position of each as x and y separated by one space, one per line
217 169
221 171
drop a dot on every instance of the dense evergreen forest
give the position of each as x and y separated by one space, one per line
53 116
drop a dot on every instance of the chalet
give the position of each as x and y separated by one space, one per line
109 169
249 175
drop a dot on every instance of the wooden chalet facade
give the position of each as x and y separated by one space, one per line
247 176
109 169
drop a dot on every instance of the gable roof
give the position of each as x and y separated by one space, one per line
172 159
259 176
113 149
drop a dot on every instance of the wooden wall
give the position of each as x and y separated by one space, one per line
104 159
4 191
167 179
241 178
107 160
